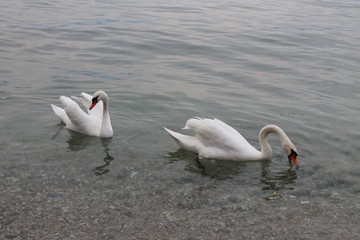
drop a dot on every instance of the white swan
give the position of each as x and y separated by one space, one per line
96 122
215 139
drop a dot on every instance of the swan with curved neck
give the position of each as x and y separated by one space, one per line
94 122
215 139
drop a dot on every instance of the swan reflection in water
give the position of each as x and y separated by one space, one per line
102 169
78 141
282 179
279 180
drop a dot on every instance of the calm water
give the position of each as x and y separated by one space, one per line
248 63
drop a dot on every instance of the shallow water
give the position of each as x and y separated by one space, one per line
248 64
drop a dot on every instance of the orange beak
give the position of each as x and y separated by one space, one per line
292 158
94 102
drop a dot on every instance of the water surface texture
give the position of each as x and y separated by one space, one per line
249 63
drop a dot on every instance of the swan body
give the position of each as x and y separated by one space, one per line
94 122
215 139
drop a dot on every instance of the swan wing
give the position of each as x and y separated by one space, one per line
220 139
81 100
79 120
86 96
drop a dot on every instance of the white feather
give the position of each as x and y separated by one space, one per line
95 122
215 139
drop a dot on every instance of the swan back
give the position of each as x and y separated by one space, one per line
215 139
213 132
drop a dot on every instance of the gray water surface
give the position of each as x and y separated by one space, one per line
248 63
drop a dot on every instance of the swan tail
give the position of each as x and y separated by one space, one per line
187 142
61 114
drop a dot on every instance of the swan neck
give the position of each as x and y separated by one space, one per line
106 127
105 100
266 150
106 116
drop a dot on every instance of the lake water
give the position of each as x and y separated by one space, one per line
248 63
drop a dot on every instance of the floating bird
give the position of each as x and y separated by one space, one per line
215 139
94 122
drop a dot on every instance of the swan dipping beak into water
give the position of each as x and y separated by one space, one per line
215 139
94 122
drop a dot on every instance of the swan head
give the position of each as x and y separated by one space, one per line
97 97
290 149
